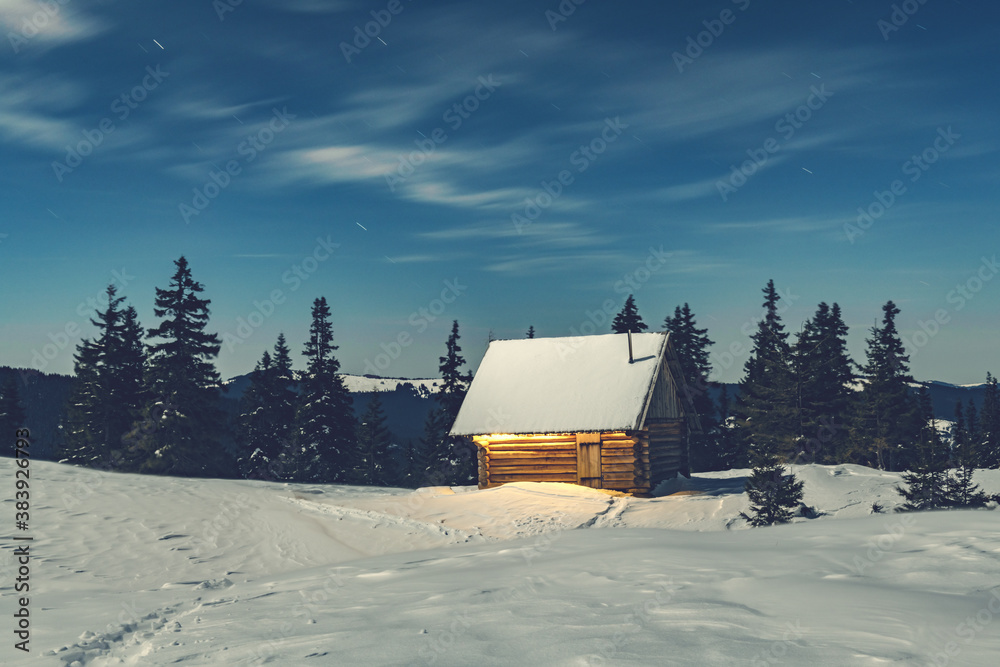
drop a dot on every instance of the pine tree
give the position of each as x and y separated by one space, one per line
972 426
731 450
823 373
82 443
885 421
628 319
373 443
325 431
959 432
691 346
412 465
12 415
454 384
531 332
181 432
449 458
267 411
961 491
927 478
768 404
989 424
108 389
284 377
254 426
773 494
435 453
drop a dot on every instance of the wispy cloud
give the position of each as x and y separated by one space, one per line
549 263
23 117
797 225
62 22
313 6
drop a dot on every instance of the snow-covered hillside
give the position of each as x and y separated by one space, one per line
363 383
234 387
131 569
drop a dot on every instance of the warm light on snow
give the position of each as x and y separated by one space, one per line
155 570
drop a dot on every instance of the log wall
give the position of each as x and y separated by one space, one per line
530 459
668 448
624 460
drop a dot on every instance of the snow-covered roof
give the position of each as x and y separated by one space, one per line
562 385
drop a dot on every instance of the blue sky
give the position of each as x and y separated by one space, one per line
502 164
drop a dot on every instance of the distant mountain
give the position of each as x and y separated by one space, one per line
44 397
406 402
944 396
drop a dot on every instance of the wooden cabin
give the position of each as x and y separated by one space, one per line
609 412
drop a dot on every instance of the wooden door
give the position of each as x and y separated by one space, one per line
588 459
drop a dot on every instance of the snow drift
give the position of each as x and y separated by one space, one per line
132 569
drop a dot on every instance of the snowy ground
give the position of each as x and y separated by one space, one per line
130 569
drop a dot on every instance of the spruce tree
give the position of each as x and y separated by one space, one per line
267 411
450 459
531 332
927 478
773 494
181 430
434 456
628 319
730 445
691 344
973 428
989 424
959 432
12 415
823 373
108 389
412 464
885 421
961 491
374 441
767 403
325 431
454 383
253 429
82 444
